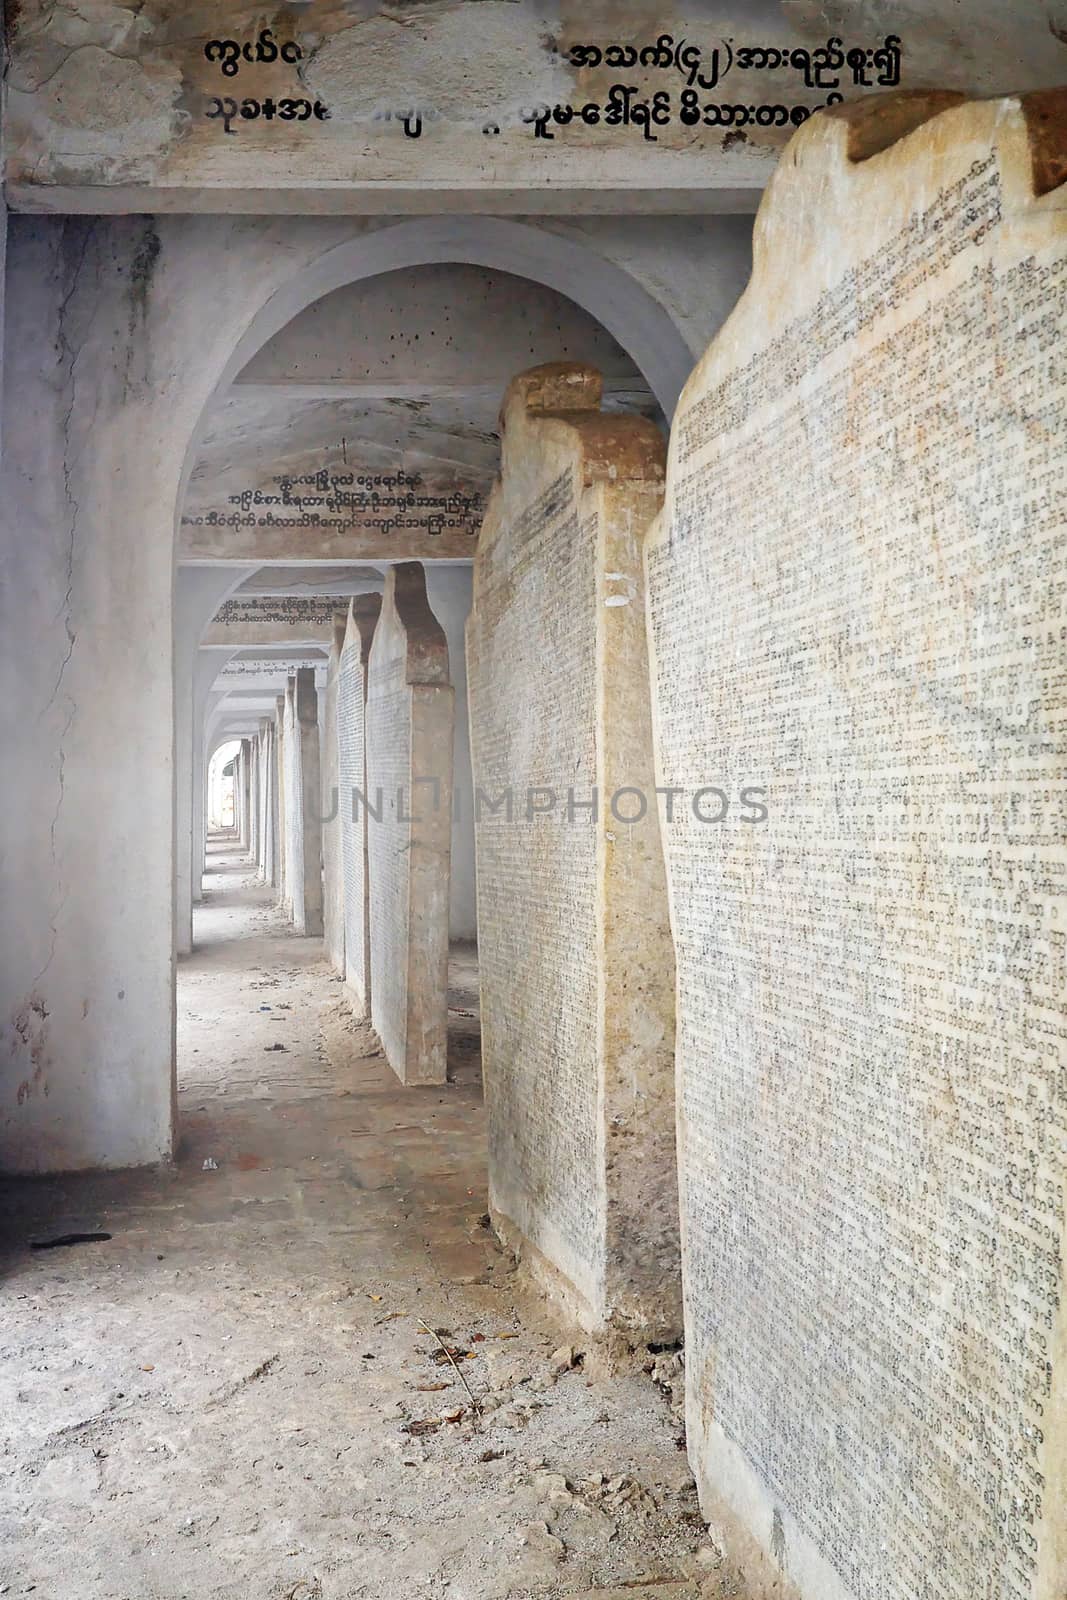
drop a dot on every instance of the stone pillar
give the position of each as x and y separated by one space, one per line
245 794
212 702
575 956
307 841
409 759
281 830
270 803
354 804
3 258
333 876
858 610
448 590
264 801
261 801
238 786
205 703
197 594
184 734
87 937
199 819
294 807
253 799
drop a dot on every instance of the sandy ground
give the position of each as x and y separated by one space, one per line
238 1395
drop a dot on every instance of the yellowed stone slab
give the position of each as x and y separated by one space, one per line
574 948
856 599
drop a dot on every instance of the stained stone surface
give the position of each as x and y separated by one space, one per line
353 813
574 948
856 598
409 724
474 104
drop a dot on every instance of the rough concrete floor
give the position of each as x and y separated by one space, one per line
235 1395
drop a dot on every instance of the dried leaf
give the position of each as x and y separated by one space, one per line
444 1357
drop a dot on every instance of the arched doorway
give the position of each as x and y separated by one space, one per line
610 295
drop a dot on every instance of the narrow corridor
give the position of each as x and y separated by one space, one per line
237 1393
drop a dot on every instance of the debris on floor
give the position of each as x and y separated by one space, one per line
318 1376
64 1239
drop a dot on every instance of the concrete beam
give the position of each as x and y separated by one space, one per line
482 394
342 199
293 580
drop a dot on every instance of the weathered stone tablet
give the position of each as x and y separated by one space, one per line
574 945
301 816
283 763
293 810
307 909
272 619
856 600
409 715
266 860
333 875
352 800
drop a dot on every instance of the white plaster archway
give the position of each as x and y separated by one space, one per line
634 317
623 306
106 439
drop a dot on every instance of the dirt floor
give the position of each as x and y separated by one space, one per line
238 1394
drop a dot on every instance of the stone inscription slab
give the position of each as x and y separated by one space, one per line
294 809
272 620
574 950
266 839
307 912
340 514
264 667
333 883
346 107
353 812
409 720
856 598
